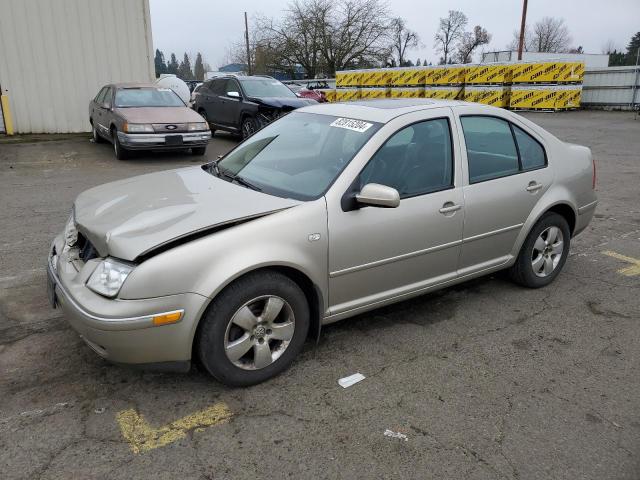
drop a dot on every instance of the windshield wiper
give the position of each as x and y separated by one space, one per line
219 172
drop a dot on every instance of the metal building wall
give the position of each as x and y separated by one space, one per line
56 54
612 87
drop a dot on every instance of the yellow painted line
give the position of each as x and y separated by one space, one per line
142 437
6 113
631 271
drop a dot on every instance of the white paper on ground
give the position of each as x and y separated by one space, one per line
399 435
351 380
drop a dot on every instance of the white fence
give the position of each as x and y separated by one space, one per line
612 87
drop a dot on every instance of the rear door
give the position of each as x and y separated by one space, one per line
230 105
103 105
506 174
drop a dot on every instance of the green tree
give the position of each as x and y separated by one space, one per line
184 69
161 66
418 63
632 49
617 59
172 65
198 68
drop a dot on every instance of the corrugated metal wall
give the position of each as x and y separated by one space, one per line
56 54
611 87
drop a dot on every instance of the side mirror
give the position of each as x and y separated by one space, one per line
233 94
376 195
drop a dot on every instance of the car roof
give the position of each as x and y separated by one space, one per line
379 110
134 85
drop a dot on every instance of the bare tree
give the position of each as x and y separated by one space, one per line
402 39
550 35
609 46
451 30
547 35
355 33
470 41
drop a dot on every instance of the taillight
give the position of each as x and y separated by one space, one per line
593 177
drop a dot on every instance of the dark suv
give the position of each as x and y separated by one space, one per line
242 104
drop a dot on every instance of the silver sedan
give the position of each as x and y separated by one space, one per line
328 212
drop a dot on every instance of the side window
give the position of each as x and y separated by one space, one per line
100 96
531 152
415 160
217 87
491 152
232 86
107 96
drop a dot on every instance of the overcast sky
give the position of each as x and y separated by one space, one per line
209 26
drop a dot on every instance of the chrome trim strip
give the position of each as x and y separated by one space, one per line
384 261
587 207
493 232
84 313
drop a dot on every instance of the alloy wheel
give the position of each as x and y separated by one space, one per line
259 332
248 128
547 251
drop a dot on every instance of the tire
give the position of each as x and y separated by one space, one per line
198 151
120 152
543 253
96 136
245 302
248 127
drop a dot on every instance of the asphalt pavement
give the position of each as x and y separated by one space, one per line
485 380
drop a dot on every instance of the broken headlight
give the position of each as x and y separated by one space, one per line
108 277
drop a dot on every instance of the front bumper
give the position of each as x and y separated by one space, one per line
162 141
122 331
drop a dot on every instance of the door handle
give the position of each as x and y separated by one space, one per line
534 187
449 207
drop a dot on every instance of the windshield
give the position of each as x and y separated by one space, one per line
298 156
147 97
266 87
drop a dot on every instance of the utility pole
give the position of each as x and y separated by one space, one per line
246 38
522 28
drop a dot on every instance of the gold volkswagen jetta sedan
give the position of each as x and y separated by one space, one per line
328 212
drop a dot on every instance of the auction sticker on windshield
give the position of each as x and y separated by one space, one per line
352 124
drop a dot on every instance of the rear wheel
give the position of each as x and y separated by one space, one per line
120 152
249 127
254 329
543 253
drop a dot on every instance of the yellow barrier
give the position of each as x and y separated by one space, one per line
330 94
449 75
347 94
348 78
568 97
368 93
570 72
411 76
407 92
443 93
497 95
488 74
375 78
6 113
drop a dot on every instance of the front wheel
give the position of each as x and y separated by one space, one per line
543 253
94 133
254 329
198 151
249 127
120 152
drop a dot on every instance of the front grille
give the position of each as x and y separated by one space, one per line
87 250
162 127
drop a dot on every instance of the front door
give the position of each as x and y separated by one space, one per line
376 254
507 175
230 105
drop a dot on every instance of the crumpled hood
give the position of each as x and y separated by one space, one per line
127 218
280 102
